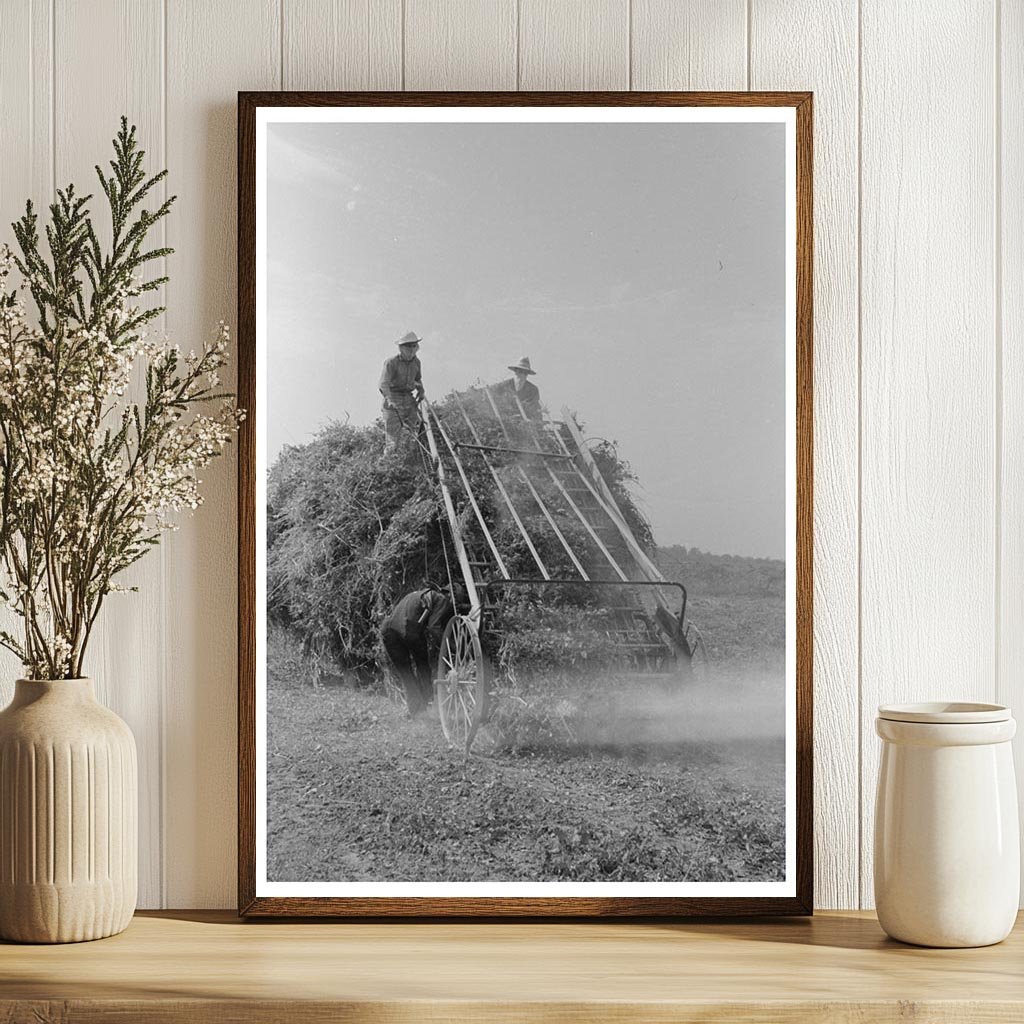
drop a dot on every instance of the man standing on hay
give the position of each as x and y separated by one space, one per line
520 387
401 384
411 635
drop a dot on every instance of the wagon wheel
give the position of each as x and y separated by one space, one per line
461 683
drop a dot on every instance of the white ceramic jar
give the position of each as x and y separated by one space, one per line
947 847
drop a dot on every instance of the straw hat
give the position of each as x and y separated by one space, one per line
408 339
524 366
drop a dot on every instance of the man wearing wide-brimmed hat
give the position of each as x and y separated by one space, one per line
520 386
401 384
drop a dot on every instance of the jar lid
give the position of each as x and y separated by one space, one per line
945 712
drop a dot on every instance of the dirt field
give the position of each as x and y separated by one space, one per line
654 786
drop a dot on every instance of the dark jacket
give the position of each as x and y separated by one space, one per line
528 395
423 614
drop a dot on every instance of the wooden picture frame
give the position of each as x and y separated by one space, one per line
798 900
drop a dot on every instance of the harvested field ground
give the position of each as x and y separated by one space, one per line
652 786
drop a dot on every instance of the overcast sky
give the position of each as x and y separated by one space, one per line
640 267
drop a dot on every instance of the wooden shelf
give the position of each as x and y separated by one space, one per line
208 966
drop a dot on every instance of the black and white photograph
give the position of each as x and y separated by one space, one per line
525 469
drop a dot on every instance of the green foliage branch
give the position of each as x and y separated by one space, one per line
89 476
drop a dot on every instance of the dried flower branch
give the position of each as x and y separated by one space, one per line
89 477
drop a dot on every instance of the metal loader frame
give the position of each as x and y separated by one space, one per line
648 631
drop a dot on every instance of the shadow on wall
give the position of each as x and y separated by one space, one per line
201 567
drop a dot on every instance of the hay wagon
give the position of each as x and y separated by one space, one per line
542 477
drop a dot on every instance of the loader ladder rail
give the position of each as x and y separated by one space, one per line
602 495
631 642
600 502
584 521
603 499
484 529
455 528
509 503
632 627
536 497
608 502
605 503
571 581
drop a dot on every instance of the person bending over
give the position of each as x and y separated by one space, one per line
411 634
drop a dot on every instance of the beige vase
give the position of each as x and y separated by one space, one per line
68 815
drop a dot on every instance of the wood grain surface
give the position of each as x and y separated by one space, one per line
133 669
26 128
928 367
813 45
1009 315
342 44
471 44
573 44
689 44
228 45
200 967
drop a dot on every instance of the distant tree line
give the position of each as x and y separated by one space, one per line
711 575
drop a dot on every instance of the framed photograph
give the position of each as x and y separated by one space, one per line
525 504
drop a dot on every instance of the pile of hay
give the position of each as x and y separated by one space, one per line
351 528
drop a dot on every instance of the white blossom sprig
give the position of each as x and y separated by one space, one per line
91 471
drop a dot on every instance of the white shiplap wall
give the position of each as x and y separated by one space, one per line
919 316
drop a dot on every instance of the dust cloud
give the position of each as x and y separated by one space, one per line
721 708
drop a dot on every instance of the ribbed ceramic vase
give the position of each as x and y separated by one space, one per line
68 815
947 848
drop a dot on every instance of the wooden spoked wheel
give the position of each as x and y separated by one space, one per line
461 683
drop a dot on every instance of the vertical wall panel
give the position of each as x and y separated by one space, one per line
814 46
468 45
213 51
26 102
928 410
936 611
26 169
689 44
573 44
1011 242
342 44
122 657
